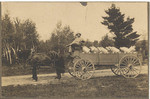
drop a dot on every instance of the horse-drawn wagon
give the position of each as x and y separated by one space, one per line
82 65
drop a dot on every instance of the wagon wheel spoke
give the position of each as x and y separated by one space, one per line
87 64
77 70
123 63
135 71
117 71
134 60
81 63
126 60
83 76
78 66
136 64
78 73
131 73
87 75
121 71
90 67
128 75
126 70
130 60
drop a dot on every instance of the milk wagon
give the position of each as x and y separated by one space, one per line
82 65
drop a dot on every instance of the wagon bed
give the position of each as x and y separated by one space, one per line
104 59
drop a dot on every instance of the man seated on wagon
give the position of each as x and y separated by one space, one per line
76 44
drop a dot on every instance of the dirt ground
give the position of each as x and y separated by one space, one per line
49 78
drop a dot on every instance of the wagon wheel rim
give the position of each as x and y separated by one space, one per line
84 69
131 66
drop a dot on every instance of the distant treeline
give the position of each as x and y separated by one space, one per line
22 35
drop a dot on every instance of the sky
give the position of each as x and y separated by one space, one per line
84 19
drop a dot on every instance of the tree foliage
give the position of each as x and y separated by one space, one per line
106 41
142 47
121 28
95 43
16 35
8 35
60 37
88 43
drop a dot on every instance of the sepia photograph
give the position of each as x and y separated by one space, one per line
75 49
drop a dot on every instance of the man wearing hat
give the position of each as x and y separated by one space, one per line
76 44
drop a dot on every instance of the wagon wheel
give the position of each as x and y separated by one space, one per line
84 69
71 64
131 66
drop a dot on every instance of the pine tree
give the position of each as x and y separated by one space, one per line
122 29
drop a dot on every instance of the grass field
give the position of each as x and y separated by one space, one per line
20 70
96 87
